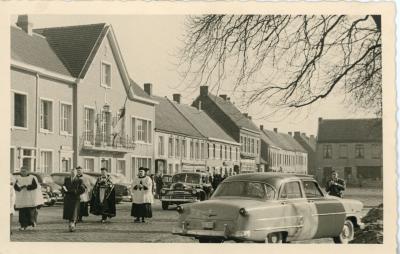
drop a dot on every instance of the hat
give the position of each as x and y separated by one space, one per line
78 167
144 169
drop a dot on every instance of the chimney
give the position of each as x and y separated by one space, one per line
203 90
177 98
24 24
276 130
148 88
290 133
223 96
261 127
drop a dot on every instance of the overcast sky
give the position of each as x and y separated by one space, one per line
149 46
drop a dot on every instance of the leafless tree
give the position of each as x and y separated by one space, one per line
287 61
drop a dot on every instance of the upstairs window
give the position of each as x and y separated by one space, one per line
20 110
327 151
359 151
142 130
66 118
106 74
170 147
46 115
343 151
160 145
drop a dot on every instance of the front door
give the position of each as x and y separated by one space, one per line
327 213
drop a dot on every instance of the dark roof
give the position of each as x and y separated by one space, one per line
74 44
203 123
35 50
273 178
306 142
350 130
169 119
282 140
233 113
138 91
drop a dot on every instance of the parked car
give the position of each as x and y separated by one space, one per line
51 191
122 186
186 188
269 207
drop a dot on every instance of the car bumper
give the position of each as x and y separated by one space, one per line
127 198
180 200
245 234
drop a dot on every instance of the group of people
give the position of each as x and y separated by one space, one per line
27 197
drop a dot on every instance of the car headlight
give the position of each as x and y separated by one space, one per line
194 191
179 209
243 212
48 189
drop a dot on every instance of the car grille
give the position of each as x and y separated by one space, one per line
180 195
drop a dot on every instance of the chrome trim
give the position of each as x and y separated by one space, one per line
324 214
279 218
179 200
283 227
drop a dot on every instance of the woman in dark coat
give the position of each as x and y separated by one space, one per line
102 201
73 187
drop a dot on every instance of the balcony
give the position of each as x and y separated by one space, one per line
107 143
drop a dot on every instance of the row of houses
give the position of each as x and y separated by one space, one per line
74 103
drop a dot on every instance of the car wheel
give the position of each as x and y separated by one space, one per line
164 205
347 233
274 238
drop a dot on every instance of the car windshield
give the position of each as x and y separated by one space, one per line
186 178
166 179
245 189
48 179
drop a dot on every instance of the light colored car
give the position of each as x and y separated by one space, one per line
272 208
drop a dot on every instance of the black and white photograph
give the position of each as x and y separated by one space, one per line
202 127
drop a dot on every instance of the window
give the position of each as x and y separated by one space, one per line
46 115
105 126
291 190
106 163
225 151
29 159
121 167
208 151
66 118
137 163
257 147
312 190
106 74
191 149
88 122
220 152
245 144
230 153
46 161
160 146
376 152
66 163
20 110
327 151
237 153
12 159
197 150
176 168
242 143
343 151
213 151
88 164
142 130
252 145
359 151
170 147
184 148
202 151
177 146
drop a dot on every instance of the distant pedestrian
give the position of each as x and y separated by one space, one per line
12 200
159 184
335 186
102 201
73 187
28 198
142 196
85 197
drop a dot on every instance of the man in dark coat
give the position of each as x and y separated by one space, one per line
159 184
335 186
73 187
102 201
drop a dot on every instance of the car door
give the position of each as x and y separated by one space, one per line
327 213
296 211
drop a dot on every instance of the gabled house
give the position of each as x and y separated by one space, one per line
353 148
179 147
239 126
99 118
282 153
222 152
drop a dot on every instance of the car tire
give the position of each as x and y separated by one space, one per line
274 238
347 233
164 205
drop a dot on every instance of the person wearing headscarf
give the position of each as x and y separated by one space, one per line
142 196
28 198
102 201
73 187
85 197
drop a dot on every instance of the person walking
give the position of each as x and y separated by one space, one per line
335 186
85 197
159 184
28 198
73 187
102 201
142 196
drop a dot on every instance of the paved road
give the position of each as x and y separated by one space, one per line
51 228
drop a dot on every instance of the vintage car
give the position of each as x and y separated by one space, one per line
272 208
186 188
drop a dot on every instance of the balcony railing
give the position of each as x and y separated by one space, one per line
120 143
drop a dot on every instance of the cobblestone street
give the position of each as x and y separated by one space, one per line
51 228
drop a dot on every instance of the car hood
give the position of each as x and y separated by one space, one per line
220 208
183 186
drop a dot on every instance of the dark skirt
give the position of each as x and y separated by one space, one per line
27 216
84 209
71 208
141 210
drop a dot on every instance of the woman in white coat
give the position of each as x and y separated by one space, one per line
142 196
